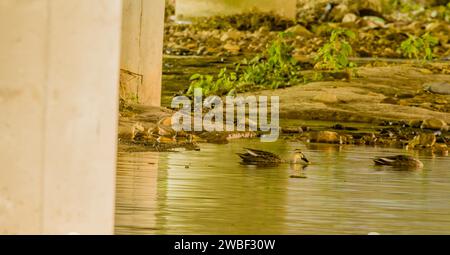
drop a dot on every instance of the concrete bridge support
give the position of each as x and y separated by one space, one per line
199 8
59 70
59 77
142 46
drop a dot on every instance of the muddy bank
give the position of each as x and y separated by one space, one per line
145 128
377 103
149 129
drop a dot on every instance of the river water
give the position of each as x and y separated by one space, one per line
342 192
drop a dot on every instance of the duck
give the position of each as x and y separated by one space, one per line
402 161
259 157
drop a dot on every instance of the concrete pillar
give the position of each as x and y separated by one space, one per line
200 8
59 62
142 47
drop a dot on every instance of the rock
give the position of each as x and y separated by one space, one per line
346 139
299 30
338 127
426 71
233 48
426 105
345 75
424 140
138 132
349 18
291 130
191 46
326 137
440 107
434 124
440 147
372 22
165 131
440 101
403 103
437 27
215 137
224 37
231 35
166 121
388 52
427 140
202 50
261 33
437 87
389 100
166 140
338 12
374 5
405 95
368 139
388 132
326 98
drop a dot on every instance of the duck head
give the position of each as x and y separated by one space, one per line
299 158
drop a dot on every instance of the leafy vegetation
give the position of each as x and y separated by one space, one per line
334 55
419 47
274 68
443 12
446 12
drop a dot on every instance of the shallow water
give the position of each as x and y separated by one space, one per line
209 192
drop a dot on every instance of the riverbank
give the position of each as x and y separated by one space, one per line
393 102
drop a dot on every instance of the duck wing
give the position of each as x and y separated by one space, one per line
262 154
392 160
259 156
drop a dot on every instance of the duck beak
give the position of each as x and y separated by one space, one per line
305 159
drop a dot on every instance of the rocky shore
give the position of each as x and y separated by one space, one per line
384 102
379 32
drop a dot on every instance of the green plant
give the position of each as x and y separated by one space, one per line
445 10
204 82
419 47
404 6
336 52
274 68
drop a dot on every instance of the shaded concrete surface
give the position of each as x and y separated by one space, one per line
59 63
142 44
201 8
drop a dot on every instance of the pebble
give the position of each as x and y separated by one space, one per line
437 87
326 98
434 124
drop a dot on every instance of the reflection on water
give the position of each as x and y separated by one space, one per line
209 192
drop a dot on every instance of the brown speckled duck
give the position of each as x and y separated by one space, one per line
259 157
400 161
